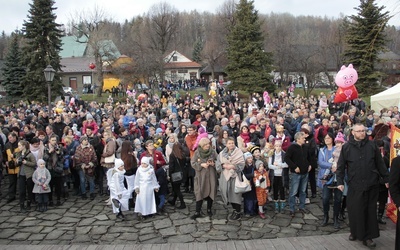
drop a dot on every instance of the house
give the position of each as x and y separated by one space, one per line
77 62
390 65
179 67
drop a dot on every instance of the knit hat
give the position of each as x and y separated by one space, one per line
254 148
118 163
89 116
258 163
252 127
247 155
340 138
83 138
159 130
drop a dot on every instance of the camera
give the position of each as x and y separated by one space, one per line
20 160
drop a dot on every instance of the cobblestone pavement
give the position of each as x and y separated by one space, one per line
79 221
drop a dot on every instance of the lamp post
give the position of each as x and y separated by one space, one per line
49 73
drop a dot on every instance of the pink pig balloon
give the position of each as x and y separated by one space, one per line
346 77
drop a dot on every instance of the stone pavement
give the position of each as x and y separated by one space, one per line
85 222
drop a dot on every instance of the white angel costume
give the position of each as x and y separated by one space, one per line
115 181
145 183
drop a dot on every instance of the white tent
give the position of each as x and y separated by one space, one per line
387 98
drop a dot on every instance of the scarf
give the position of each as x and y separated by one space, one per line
245 137
235 157
204 154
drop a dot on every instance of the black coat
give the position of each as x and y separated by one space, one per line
364 165
162 179
298 156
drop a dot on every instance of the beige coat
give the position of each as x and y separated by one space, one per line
227 186
109 150
205 180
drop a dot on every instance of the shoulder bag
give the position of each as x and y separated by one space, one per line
242 186
177 176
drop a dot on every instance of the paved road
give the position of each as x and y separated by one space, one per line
86 222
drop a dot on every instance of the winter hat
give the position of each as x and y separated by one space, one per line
159 130
89 116
118 163
254 148
340 138
83 138
258 163
40 161
247 155
252 127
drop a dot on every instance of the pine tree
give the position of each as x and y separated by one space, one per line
249 66
43 44
198 48
14 72
365 38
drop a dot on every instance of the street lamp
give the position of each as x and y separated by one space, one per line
49 73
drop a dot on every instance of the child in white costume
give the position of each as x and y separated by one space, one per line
118 193
145 185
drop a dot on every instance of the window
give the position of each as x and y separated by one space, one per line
86 80
182 71
174 58
173 74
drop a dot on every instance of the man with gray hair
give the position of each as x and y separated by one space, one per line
298 159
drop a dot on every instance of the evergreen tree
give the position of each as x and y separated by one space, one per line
43 44
13 72
365 38
198 48
248 66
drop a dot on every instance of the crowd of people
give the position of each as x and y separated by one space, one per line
152 149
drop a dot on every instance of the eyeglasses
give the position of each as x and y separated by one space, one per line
359 131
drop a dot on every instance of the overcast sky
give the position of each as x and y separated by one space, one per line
13 12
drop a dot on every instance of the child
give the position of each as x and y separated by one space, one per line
119 195
145 185
261 181
277 164
254 135
162 178
41 177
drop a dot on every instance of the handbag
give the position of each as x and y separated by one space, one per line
242 186
109 159
177 176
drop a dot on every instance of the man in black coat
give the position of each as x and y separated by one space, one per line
298 159
365 167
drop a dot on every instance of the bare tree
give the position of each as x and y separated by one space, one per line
216 44
92 27
162 22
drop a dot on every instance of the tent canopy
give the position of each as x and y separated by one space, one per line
387 98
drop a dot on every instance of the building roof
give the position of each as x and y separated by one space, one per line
73 46
76 64
388 55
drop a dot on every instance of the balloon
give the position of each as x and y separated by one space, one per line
346 77
346 94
